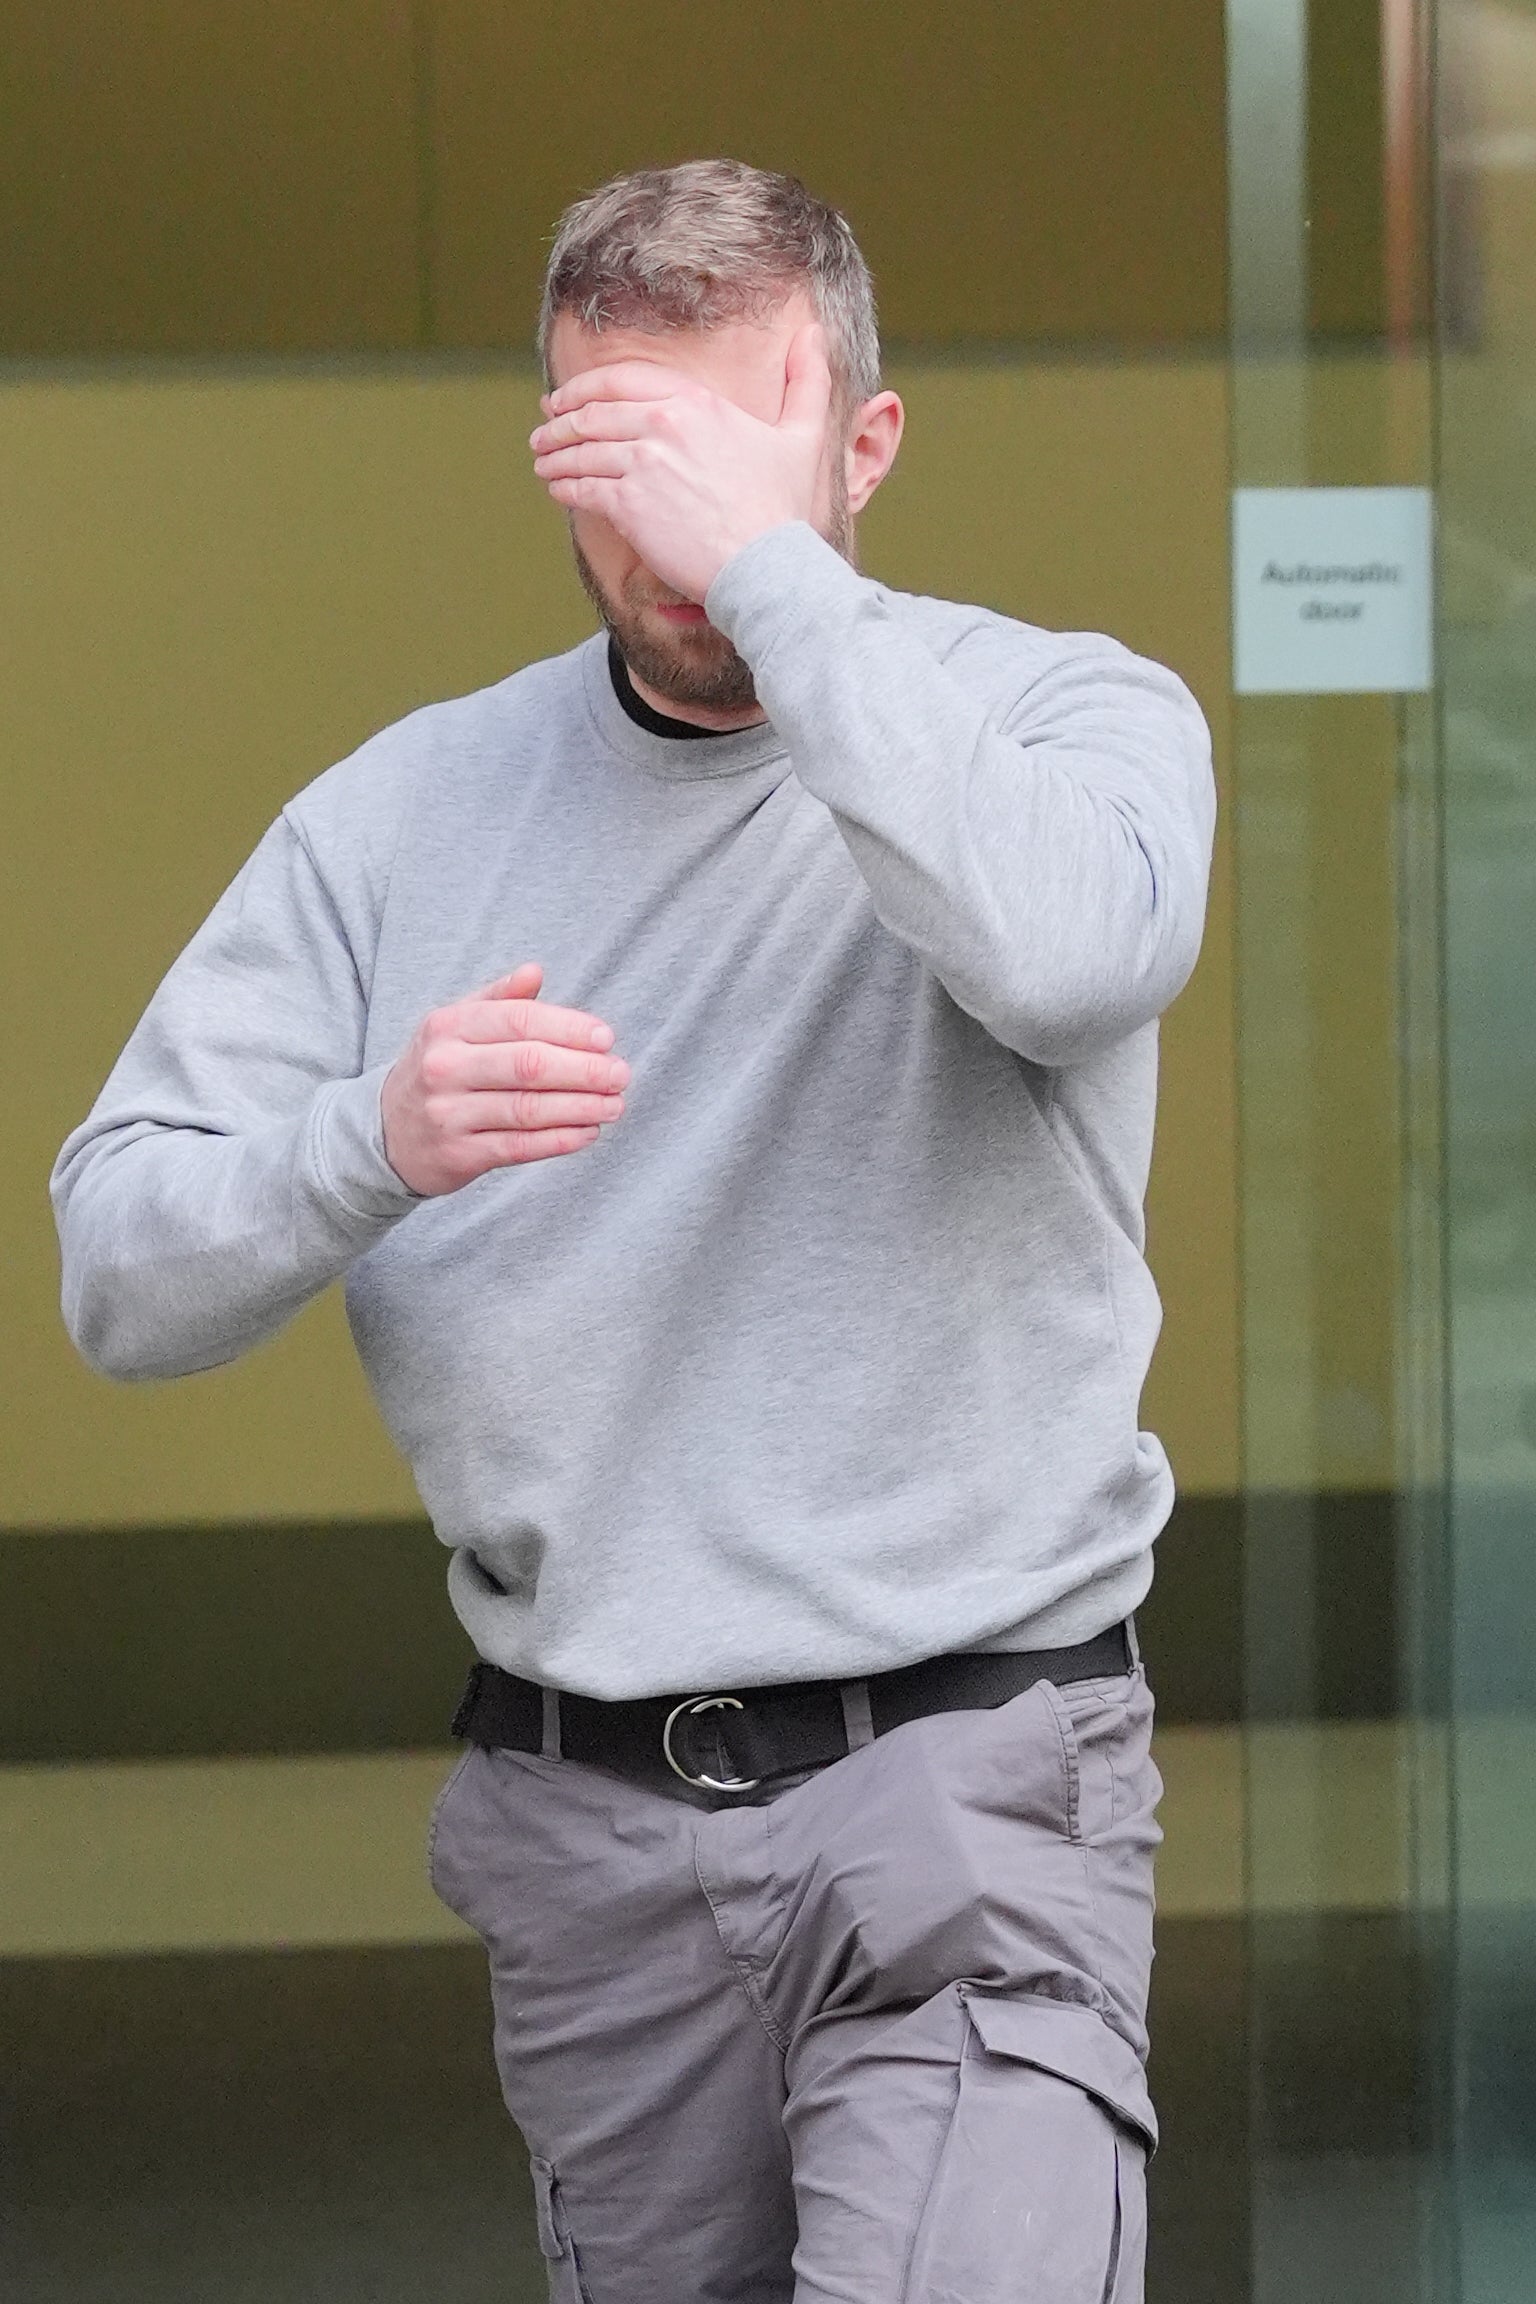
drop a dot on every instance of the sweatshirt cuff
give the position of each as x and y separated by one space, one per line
347 1159
788 583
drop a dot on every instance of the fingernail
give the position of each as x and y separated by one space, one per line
602 1037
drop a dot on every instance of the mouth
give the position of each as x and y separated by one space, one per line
681 612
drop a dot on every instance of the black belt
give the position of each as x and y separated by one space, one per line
732 1740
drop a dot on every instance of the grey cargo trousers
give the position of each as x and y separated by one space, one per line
876 2038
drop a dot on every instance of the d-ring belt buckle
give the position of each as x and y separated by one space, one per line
693 1705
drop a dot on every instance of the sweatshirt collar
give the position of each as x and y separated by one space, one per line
674 757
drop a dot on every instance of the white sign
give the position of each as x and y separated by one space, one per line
1332 591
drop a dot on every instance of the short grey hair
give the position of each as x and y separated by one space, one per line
708 242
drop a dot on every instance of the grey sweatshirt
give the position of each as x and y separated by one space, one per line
827 1355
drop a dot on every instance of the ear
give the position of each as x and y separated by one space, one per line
873 439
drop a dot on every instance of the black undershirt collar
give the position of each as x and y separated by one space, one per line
642 714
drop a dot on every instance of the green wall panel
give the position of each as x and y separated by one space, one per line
1014 172
183 178
372 175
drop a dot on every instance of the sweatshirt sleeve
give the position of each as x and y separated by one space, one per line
234 1162
1048 855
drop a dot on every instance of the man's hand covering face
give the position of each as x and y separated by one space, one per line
686 476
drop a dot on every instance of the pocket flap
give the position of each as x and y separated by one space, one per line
1072 2042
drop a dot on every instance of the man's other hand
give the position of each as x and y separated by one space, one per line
684 475
495 1080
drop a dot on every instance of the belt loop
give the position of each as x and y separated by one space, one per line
858 1720
549 1749
1133 1643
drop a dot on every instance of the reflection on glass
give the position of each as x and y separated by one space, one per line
1488 495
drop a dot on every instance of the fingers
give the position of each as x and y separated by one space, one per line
522 984
589 460
495 1080
523 1112
624 380
531 1064
605 498
514 1150
515 1017
595 420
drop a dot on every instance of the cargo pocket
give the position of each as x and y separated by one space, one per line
1039 2188
555 2243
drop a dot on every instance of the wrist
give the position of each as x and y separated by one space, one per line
783 569
742 539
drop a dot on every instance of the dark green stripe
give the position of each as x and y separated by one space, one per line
177 1642
170 1642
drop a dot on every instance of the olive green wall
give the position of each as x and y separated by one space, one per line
383 174
214 586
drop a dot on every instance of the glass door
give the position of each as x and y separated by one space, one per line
1383 216
1341 1096
1486 69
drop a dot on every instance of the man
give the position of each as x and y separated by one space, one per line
786 1443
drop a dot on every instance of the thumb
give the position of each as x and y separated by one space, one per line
807 378
522 984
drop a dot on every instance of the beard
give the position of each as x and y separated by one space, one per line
692 664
